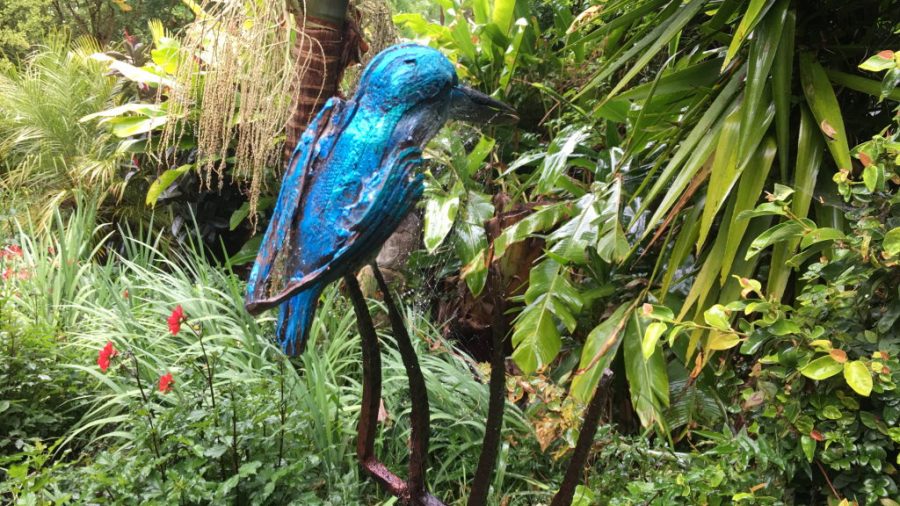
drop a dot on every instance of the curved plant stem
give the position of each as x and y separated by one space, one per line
583 447
490 446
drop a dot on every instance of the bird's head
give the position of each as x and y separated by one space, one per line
421 84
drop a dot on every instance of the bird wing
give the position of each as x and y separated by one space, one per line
279 241
319 246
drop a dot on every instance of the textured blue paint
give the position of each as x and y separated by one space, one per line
349 183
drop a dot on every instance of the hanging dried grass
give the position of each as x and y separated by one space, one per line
379 31
235 82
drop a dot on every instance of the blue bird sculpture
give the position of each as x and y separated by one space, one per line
352 179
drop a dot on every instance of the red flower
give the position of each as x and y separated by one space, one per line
11 251
166 382
175 320
125 294
8 273
107 353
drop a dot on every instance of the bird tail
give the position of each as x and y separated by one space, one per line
295 320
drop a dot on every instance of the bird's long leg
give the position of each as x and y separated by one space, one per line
371 396
420 414
583 446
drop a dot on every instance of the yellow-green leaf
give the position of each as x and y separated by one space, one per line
651 337
858 377
822 368
723 341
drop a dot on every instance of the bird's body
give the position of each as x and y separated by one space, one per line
350 182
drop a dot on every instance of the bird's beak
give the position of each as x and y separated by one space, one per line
473 106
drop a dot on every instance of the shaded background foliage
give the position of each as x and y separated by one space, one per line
701 196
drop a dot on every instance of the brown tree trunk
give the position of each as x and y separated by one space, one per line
322 51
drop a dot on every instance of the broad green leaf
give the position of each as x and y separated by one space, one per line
718 316
573 238
722 341
820 235
808 445
511 58
755 10
824 105
132 73
558 153
612 246
891 242
722 174
858 377
657 312
143 109
873 178
502 14
163 182
128 126
822 368
440 214
651 336
861 84
778 233
247 252
479 154
471 239
878 63
782 73
810 150
752 180
550 296
541 220
600 348
648 380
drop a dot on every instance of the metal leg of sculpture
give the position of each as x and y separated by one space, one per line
371 399
371 396
583 446
420 414
484 473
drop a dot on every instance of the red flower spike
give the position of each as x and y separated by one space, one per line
105 355
175 320
165 383
11 251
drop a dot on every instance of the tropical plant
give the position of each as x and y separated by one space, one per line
49 157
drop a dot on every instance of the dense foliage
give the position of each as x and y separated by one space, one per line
701 196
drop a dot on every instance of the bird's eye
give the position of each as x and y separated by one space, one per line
410 61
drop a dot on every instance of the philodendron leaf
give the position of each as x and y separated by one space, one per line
440 213
822 368
858 377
